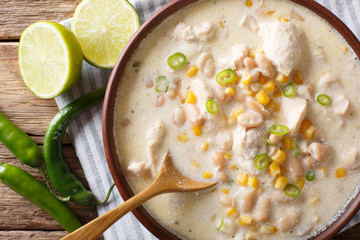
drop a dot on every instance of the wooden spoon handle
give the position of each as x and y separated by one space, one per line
97 226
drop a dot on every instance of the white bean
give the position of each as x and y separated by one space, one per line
225 200
179 116
262 209
309 162
193 115
258 107
250 119
293 165
320 152
218 159
289 220
160 101
275 139
249 63
207 64
222 176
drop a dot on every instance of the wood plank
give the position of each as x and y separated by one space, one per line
16 15
33 235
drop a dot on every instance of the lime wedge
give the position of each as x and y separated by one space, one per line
103 28
50 59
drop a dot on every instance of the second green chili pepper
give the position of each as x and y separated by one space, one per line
56 167
36 192
19 143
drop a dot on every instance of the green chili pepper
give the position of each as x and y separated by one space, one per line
261 161
278 129
289 89
220 225
323 99
269 142
57 169
36 192
212 107
294 147
310 176
225 76
292 190
177 60
161 84
19 143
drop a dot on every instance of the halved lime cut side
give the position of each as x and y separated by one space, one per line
50 59
103 27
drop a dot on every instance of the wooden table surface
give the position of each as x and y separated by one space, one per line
20 219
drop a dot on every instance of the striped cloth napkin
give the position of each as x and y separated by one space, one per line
86 134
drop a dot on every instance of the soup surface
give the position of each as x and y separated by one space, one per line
262 98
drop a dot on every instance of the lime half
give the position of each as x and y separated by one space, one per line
103 27
50 59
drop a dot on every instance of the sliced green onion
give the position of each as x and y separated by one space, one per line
230 182
294 147
161 84
269 142
177 60
289 89
261 161
310 176
323 99
225 76
292 190
279 129
212 107
221 225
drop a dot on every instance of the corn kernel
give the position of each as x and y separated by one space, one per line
344 48
245 79
242 179
190 97
229 91
228 156
183 137
262 79
286 143
225 191
183 101
235 80
235 113
305 124
246 220
270 104
197 130
249 3
207 174
276 107
213 190
231 211
270 13
277 93
281 182
273 229
248 91
192 71
340 172
221 23
297 77
234 167
195 164
253 182
274 169
283 19
324 170
230 120
269 86
279 157
283 170
204 146
310 132
262 98
282 78
300 182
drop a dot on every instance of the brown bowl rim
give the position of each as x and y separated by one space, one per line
109 104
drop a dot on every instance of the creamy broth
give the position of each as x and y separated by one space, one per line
218 35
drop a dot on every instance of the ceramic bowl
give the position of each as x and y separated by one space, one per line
334 226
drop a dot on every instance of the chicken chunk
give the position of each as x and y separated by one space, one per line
283 44
224 140
154 137
340 105
200 32
320 152
351 160
292 113
254 142
247 200
239 135
139 169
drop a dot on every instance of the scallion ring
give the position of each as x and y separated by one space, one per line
177 60
279 129
289 89
225 76
261 161
212 106
323 99
161 84
292 190
310 175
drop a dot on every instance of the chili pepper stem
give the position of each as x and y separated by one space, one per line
107 196
47 181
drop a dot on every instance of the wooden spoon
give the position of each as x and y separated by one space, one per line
168 180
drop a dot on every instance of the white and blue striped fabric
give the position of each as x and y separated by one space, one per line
86 131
